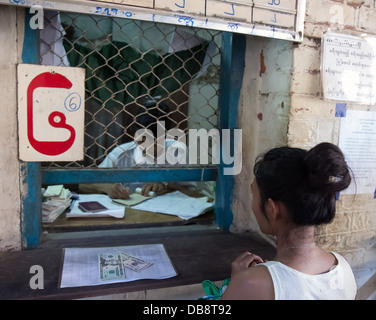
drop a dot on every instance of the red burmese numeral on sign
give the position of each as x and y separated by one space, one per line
56 119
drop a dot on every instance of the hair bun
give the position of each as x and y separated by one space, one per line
326 169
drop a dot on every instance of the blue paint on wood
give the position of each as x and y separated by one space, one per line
30 51
31 205
231 77
61 176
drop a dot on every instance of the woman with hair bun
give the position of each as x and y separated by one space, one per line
293 192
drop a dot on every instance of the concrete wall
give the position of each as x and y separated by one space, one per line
10 238
312 120
263 114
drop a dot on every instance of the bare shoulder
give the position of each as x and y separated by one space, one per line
254 283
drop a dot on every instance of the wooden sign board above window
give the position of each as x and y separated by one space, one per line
281 19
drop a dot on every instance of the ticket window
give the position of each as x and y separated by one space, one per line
197 73
132 66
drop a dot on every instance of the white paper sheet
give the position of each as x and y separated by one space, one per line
176 203
182 40
81 267
349 68
357 141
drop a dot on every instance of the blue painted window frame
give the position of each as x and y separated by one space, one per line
232 68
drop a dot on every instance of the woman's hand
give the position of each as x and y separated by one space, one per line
244 261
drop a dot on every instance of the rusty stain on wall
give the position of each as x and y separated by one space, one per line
262 64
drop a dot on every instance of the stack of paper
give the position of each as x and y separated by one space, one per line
55 200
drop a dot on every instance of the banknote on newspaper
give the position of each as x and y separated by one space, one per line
134 263
110 266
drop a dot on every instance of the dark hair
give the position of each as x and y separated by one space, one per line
305 181
148 115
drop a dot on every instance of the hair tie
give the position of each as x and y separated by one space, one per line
333 179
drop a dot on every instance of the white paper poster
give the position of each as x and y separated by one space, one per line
51 113
349 68
357 141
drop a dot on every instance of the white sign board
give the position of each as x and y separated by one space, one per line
349 68
280 19
51 113
357 141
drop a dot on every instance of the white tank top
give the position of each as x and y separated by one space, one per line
290 284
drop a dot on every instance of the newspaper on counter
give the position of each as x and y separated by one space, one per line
98 266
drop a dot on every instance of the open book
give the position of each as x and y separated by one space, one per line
134 198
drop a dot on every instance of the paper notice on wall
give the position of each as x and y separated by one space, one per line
349 68
357 140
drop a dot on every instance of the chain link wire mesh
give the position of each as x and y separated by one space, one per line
137 73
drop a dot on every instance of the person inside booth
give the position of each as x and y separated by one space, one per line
135 154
